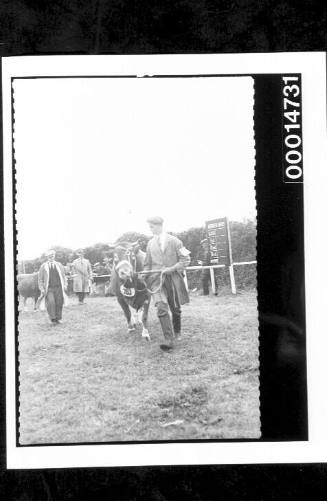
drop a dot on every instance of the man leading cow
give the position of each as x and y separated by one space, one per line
167 254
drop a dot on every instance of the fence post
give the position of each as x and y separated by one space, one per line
212 277
232 278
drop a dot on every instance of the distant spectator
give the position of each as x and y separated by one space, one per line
69 276
204 260
82 276
101 268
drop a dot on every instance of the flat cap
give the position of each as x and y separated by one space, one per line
50 252
155 220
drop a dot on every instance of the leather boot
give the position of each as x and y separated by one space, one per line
177 325
166 327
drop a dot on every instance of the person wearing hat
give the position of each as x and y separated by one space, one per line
166 254
83 275
204 260
52 284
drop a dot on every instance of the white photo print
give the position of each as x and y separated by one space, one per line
95 160
149 202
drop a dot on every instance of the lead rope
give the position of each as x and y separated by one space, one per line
157 289
146 288
159 286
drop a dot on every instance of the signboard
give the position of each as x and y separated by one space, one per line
219 241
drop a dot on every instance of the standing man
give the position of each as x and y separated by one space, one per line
52 284
83 276
166 254
205 261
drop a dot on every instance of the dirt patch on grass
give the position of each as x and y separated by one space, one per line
187 404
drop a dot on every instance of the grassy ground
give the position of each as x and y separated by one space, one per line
88 380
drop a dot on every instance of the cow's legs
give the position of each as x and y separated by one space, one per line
139 316
127 313
35 302
24 304
144 321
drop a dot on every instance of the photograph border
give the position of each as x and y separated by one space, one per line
47 444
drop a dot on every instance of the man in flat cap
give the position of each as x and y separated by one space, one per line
167 254
82 270
52 284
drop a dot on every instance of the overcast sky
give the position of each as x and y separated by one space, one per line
96 157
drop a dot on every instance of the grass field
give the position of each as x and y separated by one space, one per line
88 380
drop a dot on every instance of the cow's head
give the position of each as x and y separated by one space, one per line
124 259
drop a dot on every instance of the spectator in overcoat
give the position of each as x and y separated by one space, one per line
82 271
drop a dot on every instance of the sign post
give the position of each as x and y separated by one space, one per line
212 278
220 247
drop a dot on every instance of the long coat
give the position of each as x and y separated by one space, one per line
43 281
173 255
83 271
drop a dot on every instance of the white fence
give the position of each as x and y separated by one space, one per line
211 267
212 275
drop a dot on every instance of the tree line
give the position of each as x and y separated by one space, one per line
243 241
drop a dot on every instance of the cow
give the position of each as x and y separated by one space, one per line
125 284
28 287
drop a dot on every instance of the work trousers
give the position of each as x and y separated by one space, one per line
205 280
169 328
54 303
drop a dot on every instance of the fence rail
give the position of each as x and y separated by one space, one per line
211 267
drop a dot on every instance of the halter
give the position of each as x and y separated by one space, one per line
130 292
